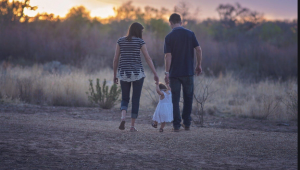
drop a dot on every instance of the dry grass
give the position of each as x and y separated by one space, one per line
263 100
37 86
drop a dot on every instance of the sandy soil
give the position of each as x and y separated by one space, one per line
44 137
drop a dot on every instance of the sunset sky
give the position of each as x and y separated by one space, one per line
272 9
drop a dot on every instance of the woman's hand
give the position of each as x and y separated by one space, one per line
116 80
156 79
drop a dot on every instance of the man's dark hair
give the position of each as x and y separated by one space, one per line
135 30
175 18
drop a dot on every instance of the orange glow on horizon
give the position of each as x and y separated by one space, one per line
97 8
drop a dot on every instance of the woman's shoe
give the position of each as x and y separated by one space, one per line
122 125
133 129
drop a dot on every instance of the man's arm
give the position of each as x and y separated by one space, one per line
168 59
198 69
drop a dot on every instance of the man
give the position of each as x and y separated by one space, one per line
179 48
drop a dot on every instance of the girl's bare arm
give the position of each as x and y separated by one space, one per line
168 86
158 90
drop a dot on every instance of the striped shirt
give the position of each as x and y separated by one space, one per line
130 64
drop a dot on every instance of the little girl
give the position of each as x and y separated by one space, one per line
164 110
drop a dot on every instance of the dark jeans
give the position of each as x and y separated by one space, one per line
188 91
136 94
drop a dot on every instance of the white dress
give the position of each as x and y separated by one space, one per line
164 109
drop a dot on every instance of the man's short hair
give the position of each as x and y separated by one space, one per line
175 18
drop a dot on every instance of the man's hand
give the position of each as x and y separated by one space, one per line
167 79
198 70
116 80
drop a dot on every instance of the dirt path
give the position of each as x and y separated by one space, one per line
36 137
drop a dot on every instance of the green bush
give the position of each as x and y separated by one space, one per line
103 97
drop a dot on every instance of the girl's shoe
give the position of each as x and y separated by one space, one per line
133 129
122 125
161 129
154 124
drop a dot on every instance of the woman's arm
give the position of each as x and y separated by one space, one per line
149 61
116 63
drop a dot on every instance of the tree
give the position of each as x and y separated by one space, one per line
231 15
183 9
13 12
127 12
78 15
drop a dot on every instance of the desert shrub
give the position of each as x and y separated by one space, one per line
291 102
202 92
25 89
103 97
1 101
268 106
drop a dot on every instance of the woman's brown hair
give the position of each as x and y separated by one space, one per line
135 30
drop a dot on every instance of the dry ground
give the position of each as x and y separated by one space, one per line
44 137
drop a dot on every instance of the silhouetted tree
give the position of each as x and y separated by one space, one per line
78 15
127 12
183 9
13 12
230 15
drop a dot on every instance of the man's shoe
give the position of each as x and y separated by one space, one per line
175 130
185 127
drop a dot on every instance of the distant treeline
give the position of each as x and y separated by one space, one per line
240 41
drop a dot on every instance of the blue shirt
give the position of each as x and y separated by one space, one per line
180 42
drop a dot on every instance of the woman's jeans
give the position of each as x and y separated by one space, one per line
187 84
136 94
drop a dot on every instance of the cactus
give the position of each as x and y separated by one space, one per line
103 97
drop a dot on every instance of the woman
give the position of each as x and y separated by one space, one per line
130 70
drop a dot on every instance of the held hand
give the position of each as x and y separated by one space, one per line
198 70
156 79
167 79
116 80
156 83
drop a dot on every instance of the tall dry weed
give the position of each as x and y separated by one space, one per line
274 100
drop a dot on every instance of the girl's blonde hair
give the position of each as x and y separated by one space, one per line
162 86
